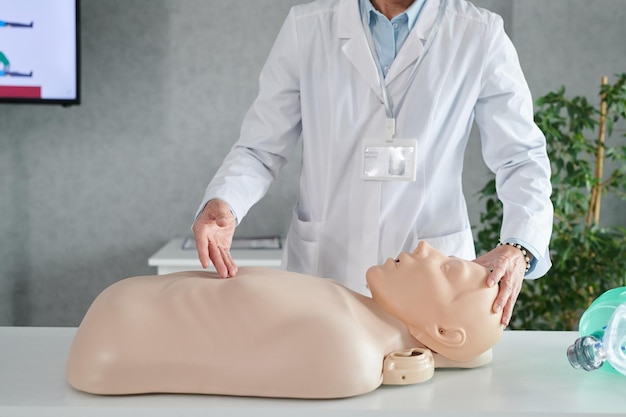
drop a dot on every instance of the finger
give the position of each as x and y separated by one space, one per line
229 262
223 220
495 275
504 293
218 261
202 246
507 312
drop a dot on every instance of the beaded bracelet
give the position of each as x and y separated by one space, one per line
524 252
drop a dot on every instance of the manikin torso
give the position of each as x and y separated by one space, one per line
309 337
274 333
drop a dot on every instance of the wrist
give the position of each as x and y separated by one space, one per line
527 255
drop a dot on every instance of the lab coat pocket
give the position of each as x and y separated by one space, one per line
302 249
460 244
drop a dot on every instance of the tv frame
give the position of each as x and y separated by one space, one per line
57 101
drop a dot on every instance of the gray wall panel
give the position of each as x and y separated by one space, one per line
88 193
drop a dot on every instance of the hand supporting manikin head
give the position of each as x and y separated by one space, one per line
266 332
444 301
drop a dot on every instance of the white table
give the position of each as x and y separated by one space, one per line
173 258
529 375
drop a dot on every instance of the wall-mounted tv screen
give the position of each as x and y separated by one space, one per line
39 51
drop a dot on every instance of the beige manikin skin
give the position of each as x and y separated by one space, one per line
273 333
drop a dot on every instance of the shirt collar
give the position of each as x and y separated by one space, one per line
412 13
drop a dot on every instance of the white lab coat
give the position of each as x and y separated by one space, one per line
320 84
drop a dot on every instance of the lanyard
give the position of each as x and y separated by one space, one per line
390 123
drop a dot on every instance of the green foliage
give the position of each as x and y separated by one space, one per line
588 258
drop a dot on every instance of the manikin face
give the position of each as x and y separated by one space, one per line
440 298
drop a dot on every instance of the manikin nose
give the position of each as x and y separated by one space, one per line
422 249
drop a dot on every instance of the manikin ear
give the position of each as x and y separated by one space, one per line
453 337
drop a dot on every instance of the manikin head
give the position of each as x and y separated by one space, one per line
444 301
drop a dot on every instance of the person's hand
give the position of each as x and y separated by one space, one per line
507 265
214 229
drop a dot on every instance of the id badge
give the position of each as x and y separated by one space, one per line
394 160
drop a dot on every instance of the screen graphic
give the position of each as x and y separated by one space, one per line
39 51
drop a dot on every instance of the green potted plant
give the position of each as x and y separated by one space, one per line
587 157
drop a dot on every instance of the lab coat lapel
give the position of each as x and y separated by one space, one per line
414 44
355 45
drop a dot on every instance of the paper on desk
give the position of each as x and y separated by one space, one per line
261 242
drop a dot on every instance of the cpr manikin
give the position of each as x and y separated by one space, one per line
273 333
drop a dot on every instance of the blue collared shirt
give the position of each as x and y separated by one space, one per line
389 35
